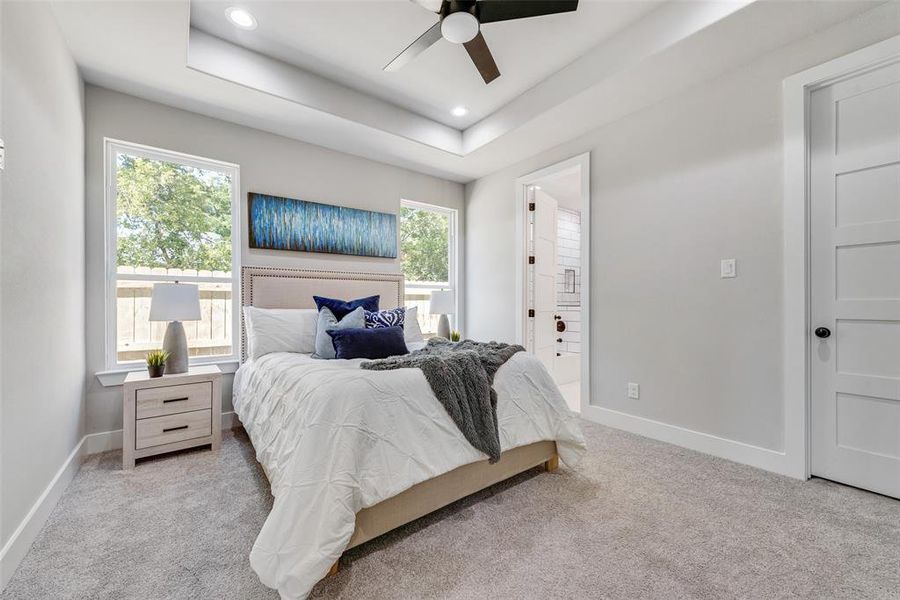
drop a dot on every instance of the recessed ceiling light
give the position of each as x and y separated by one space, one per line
537 187
459 111
240 17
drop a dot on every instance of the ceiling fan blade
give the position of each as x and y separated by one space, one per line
481 55
430 5
491 11
419 46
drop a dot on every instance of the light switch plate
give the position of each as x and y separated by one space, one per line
634 391
729 268
2 155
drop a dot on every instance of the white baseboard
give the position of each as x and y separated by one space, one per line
20 542
755 456
21 539
103 441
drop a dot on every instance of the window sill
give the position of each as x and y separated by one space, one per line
115 377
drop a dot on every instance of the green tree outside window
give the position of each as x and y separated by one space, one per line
172 216
424 245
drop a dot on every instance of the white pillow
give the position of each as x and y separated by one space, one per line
280 330
411 330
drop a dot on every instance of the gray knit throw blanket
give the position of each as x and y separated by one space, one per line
461 375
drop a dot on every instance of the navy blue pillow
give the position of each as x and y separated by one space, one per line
339 308
368 343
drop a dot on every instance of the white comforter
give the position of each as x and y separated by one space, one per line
334 439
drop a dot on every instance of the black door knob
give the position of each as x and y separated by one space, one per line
822 332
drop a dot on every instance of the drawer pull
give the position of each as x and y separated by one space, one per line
175 400
174 428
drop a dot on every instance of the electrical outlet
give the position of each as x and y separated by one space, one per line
634 390
728 268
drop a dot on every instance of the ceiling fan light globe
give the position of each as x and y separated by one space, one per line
459 27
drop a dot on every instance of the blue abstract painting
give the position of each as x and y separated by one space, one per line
287 224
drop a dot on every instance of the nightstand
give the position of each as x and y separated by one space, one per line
172 412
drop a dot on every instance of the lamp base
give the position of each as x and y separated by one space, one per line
444 327
175 343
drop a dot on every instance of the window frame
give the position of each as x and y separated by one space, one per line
112 148
452 215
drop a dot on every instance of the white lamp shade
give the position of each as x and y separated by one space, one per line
442 303
175 302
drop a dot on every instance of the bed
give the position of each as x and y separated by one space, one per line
352 454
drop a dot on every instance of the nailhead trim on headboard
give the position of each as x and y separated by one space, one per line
248 274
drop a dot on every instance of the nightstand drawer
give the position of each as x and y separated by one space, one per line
172 399
156 431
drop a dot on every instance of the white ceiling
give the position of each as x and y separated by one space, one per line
312 70
350 41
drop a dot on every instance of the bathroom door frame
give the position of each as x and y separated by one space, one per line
583 163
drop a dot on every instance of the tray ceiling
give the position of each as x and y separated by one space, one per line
311 70
350 41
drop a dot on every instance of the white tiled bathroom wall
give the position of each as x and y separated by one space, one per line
569 258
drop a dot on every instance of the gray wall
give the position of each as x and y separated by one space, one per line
269 164
674 189
41 249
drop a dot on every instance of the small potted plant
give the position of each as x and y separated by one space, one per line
455 335
156 362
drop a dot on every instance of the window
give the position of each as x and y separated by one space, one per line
170 217
428 257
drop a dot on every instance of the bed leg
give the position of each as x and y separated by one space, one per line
552 464
334 569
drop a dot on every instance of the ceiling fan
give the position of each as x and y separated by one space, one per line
461 22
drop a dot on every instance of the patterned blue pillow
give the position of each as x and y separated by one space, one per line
385 318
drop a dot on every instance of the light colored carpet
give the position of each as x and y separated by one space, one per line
638 519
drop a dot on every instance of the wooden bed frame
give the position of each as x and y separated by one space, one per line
265 287
436 493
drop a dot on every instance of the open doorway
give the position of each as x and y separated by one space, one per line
553 272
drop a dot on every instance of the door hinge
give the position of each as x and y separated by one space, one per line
530 260
531 312
531 207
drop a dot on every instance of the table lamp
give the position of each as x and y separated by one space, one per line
442 304
175 302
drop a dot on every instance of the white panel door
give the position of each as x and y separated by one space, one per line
544 276
855 281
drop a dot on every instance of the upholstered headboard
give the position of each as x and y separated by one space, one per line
266 287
